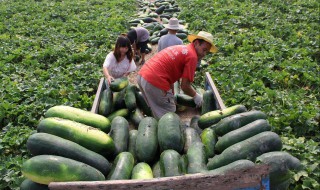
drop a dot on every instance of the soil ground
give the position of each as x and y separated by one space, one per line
133 75
186 114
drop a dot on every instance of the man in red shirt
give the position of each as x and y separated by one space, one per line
157 75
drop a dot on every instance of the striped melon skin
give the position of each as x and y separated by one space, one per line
237 121
194 123
81 116
47 144
249 149
86 136
27 184
184 163
170 163
236 165
105 105
132 143
122 167
147 140
281 164
209 140
118 101
209 102
242 133
130 98
170 134
121 112
185 100
190 136
142 104
156 171
120 134
119 84
213 117
135 117
196 158
142 171
45 169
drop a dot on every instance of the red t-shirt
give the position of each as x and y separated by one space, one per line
169 65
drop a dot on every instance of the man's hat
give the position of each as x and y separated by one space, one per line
206 37
173 24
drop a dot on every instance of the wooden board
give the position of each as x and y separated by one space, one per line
101 87
250 178
210 85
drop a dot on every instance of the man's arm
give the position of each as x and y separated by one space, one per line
187 88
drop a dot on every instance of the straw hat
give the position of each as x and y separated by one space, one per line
173 24
204 36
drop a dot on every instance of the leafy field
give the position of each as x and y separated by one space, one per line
269 59
270 53
51 53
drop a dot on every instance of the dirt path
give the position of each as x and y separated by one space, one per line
187 113
133 75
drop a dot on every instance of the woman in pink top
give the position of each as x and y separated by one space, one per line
157 76
119 62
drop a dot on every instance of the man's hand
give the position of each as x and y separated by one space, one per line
198 100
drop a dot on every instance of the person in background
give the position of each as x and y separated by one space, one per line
157 76
120 62
139 38
171 38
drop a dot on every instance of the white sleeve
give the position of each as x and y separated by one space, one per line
132 67
108 60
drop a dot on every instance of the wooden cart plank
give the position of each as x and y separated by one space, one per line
95 105
215 91
237 180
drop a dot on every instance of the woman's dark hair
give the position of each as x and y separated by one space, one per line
123 41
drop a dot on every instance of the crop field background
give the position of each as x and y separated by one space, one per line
51 53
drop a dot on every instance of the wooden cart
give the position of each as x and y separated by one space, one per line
251 179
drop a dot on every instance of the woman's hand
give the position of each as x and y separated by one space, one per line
109 79
107 75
